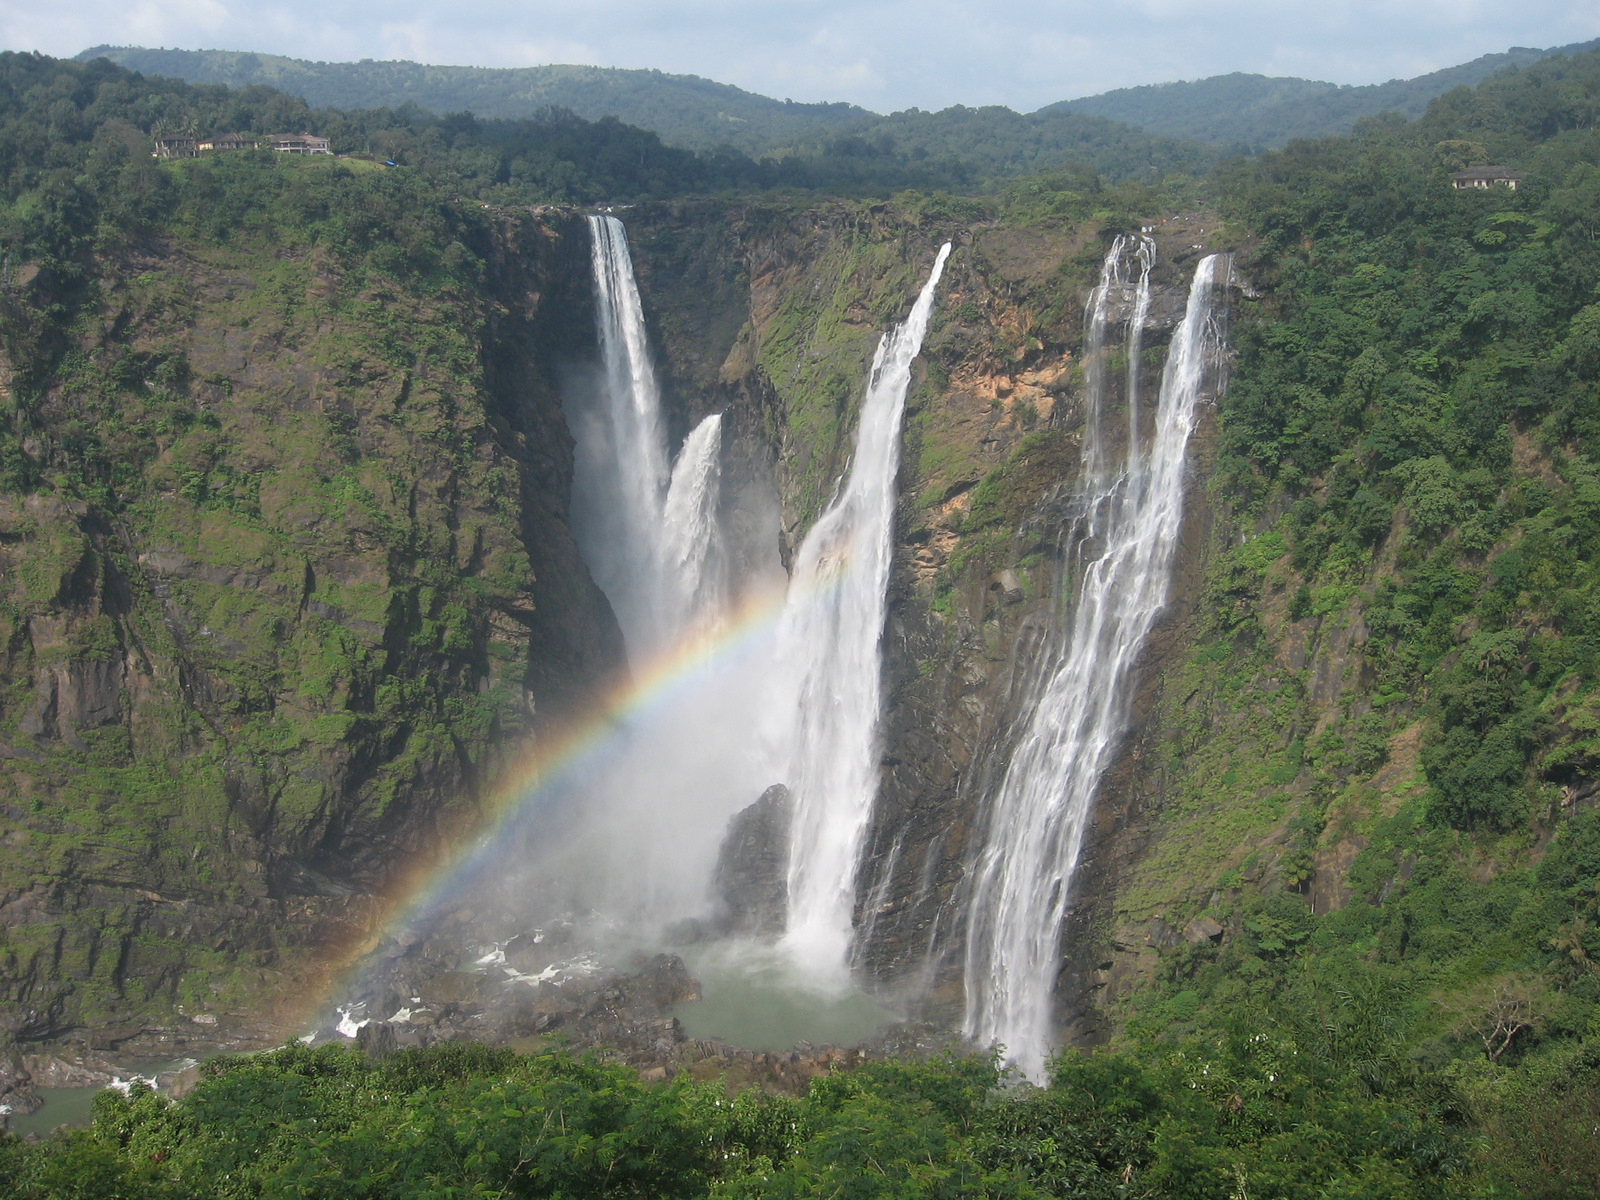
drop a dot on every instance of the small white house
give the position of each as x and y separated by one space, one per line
1486 177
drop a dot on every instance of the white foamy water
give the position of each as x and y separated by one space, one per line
828 668
1128 528
621 451
691 539
648 534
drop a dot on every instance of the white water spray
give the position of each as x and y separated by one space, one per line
691 540
828 662
1023 878
650 537
1107 304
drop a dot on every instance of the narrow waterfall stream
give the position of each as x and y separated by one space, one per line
1129 523
1110 305
829 661
691 540
648 534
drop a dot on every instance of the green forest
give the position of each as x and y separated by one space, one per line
1410 438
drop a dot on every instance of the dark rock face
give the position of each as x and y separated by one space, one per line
424 985
979 570
17 1096
289 661
752 878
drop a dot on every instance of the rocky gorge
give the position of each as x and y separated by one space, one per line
344 631
347 632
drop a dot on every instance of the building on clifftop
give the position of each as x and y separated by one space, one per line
299 143
1484 177
174 146
227 141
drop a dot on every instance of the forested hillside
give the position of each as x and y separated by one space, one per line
830 146
1376 843
684 110
1260 111
281 484
1230 111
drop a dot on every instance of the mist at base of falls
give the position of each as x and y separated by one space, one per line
741 678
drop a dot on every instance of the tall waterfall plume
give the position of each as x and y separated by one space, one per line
691 542
649 537
1129 523
828 661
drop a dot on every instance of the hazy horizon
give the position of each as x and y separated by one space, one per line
886 56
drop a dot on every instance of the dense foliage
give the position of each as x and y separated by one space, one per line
1435 352
974 148
1410 446
53 114
465 1120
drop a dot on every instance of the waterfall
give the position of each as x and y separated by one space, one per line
649 536
691 541
1145 255
828 666
1022 879
1106 304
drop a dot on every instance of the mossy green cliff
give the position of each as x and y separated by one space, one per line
286 578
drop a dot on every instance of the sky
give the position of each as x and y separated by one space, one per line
883 54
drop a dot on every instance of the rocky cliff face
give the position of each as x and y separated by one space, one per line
264 643
280 659
773 315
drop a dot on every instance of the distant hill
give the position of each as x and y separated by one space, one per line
1258 110
684 110
956 147
995 143
1132 132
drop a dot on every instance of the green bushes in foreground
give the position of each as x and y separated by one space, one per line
1250 1113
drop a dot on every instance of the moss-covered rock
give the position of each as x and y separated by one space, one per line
286 578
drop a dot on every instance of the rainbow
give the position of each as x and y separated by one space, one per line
564 755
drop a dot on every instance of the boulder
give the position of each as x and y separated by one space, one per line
752 876
663 982
376 1040
184 1082
53 1071
452 987
16 1087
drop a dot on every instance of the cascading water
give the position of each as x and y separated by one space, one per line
828 662
691 540
1022 880
1145 255
621 458
649 536
1105 303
